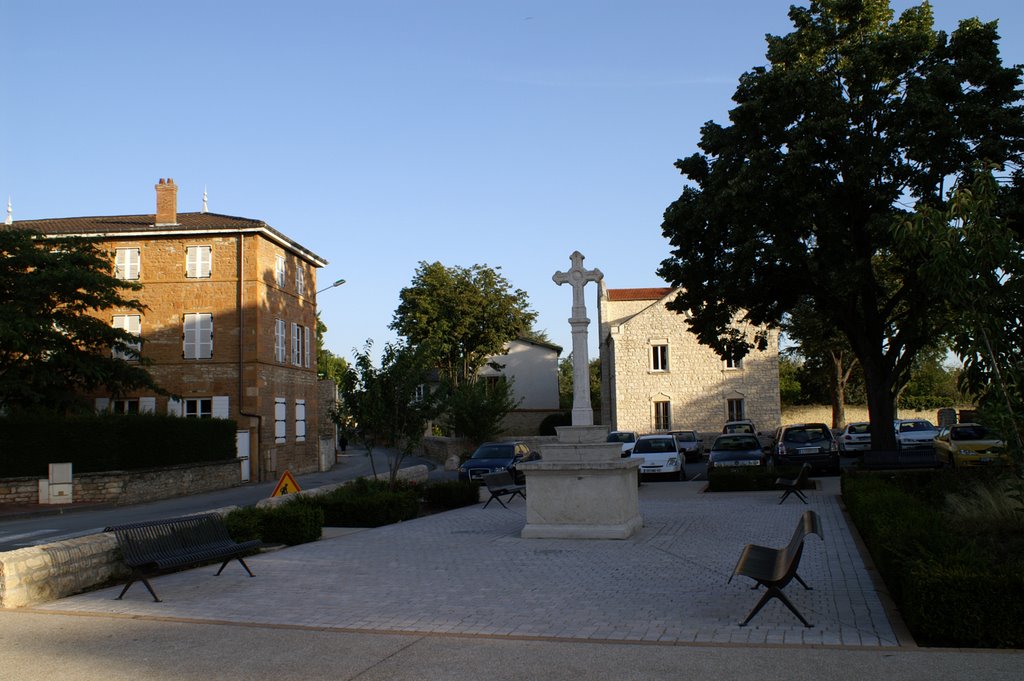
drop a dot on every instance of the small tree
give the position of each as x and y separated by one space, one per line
476 410
53 345
389 405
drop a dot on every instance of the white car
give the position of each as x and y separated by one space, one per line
915 434
660 456
626 437
855 438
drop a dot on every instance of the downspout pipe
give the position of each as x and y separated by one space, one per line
241 363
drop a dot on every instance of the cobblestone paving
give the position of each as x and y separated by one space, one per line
468 572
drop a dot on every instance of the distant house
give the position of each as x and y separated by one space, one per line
229 324
656 377
532 368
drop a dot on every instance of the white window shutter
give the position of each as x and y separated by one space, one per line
300 420
147 405
305 340
102 404
221 407
173 407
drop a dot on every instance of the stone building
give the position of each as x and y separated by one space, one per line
656 377
229 324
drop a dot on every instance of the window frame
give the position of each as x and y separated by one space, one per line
730 409
280 270
194 266
280 341
122 270
200 323
662 415
196 405
659 358
300 281
137 331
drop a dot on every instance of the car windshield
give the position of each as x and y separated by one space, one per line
859 428
805 434
493 452
689 436
734 443
659 444
621 437
971 433
914 426
739 428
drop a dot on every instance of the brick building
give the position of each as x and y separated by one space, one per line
229 323
656 377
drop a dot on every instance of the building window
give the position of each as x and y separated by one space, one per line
300 281
280 422
280 342
420 393
198 336
662 415
198 262
126 263
305 346
735 409
132 323
124 406
659 357
733 362
279 269
296 344
300 420
198 407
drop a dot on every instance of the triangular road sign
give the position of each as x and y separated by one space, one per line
286 485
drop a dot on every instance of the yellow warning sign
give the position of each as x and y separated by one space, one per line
286 485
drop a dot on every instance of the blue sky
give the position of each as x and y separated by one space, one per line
383 133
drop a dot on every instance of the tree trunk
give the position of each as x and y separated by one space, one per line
837 381
881 408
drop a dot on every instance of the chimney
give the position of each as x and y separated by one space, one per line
166 202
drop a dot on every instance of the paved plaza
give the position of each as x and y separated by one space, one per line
467 572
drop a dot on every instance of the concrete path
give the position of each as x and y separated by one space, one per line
459 595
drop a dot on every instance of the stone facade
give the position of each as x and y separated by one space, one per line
656 377
245 289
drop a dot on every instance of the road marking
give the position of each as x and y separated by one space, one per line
12 539
4 538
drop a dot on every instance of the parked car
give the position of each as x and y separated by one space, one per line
660 456
494 457
810 443
855 438
689 444
915 434
968 445
626 437
735 452
740 426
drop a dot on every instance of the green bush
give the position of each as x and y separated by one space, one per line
244 523
551 421
954 582
369 503
297 521
100 443
450 494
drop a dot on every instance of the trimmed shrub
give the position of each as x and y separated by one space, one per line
369 503
244 523
296 521
449 494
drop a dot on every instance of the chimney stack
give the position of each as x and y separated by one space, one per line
166 202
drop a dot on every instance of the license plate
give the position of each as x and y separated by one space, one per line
807 450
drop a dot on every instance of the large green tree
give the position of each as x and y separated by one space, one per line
857 120
54 344
461 316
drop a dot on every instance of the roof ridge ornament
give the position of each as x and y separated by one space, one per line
10 212
205 209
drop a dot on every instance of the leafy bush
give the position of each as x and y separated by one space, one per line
552 421
957 580
244 523
450 494
297 521
369 503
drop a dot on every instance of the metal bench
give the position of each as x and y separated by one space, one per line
775 568
157 546
794 485
503 484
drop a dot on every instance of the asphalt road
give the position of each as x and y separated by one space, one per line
21 531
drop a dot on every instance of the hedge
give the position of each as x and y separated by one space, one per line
110 442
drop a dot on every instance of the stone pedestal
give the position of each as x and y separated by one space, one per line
582 488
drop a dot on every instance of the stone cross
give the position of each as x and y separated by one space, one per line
577 277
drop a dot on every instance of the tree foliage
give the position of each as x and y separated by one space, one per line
858 120
476 409
53 345
461 316
565 383
328 365
388 405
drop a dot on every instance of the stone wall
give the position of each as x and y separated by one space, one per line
38 574
133 487
811 413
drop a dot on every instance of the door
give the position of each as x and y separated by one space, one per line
242 451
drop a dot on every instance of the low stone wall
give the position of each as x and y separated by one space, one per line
812 413
132 487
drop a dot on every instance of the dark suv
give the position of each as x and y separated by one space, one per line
495 457
810 443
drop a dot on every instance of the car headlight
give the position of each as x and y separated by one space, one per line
968 452
673 461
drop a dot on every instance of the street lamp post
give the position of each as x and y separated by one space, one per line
334 285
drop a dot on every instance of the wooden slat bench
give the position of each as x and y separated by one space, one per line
155 547
794 485
775 568
503 484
